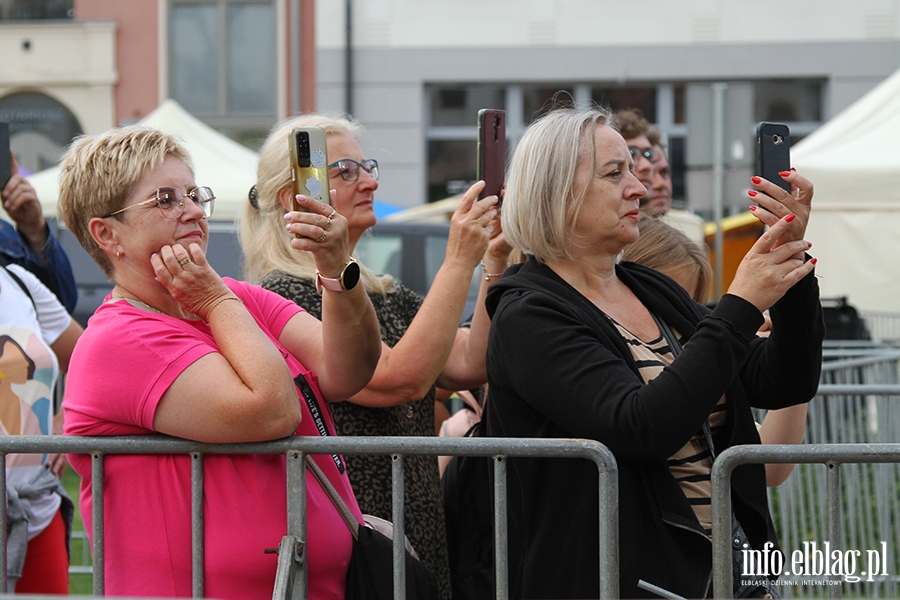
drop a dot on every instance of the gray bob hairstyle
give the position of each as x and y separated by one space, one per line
540 203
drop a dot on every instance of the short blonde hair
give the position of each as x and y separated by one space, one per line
265 243
668 250
99 173
541 203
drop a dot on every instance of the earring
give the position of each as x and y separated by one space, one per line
118 255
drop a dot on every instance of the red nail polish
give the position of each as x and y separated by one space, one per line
752 193
784 173
809 245
790 217
793 169
752 208
755 179
814 260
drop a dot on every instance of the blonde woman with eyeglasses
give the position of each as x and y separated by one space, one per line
424 344
177 350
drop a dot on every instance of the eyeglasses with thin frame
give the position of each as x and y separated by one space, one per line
648 153
170 202
349 168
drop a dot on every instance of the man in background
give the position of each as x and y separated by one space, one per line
651 166
30 244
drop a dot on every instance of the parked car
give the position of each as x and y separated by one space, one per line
411 252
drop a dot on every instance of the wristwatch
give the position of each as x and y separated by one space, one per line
347 281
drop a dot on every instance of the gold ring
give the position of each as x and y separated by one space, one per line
328 223
322 239
184 261
331 216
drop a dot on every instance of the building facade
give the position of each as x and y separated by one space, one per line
415 72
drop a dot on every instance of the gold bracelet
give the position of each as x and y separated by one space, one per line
488 276
218 302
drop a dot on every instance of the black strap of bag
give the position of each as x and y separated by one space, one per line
370 574
21 284
739 539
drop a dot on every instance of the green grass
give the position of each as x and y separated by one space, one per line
79 584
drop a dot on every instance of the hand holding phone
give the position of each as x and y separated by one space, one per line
773 152
491 162
309 165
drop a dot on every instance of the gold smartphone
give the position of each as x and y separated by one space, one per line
309 164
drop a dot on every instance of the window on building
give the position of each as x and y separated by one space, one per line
222 63
40 128
451 132
27 10
622 97
458 106
788 101
538 101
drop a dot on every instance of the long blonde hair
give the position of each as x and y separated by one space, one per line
266 244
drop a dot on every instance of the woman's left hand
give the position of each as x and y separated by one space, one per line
775 203
322 231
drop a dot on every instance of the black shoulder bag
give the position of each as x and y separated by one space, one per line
370 574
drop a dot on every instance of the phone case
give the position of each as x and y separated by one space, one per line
5 157
773 152
309 164
491 162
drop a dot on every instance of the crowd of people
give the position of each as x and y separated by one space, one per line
592 321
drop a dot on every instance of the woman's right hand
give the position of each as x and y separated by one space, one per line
771 268
322 231
189 277
470 228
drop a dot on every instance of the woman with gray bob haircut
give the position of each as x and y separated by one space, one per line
583 346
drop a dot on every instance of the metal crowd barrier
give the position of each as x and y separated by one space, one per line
291 579
831 455
857 403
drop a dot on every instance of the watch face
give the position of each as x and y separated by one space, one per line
350 276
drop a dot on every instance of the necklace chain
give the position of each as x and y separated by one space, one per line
141 302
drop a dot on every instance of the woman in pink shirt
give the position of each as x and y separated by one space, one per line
177 350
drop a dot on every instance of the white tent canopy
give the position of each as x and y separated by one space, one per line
219 162
854 163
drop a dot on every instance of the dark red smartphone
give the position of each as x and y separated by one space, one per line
5 156
491 162
773 152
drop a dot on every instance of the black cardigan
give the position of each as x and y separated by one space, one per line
557 368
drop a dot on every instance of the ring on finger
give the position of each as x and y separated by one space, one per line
327 222
331 216
184 261
322 239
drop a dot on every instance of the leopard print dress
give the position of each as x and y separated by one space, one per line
371 474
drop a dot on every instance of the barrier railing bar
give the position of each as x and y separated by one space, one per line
399 499
868 358
501 530
296 491
98 447
834 515
97 521
197 551
731 458
4 527
856 389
